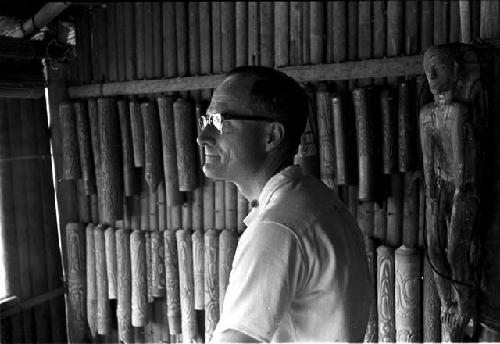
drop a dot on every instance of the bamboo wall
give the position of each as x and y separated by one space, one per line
383 190
32 261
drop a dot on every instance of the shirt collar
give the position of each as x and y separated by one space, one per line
273 184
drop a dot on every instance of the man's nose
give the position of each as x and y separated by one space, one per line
206 137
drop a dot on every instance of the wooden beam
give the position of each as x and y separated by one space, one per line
373 68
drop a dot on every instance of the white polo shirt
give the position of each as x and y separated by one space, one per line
300 272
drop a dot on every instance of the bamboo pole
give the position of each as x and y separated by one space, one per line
266 25
380 222
454 31
426 24
166 115
85 148
395 212
158 54
389 156
212 311
139 40
228 35
371 333
385 294
339 31
111 42
352 30
138 276
110 244
120 41
109 131
296 33
129 37
124 287
281 33
96 153
317 22
441 21
407 296
253 34
306 32
182 31
129 174
71 159
241 39
152 145
184 139
103 312
431 306
169 40
327 154
91 280
148 40
76 277
194 38
83 203
172 282
186 284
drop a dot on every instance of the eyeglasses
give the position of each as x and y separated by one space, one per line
217 119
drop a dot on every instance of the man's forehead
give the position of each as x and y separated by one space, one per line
233 94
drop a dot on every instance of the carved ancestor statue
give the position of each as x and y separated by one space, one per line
452 164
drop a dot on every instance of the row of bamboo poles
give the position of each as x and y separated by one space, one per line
29 239
139 183
131 41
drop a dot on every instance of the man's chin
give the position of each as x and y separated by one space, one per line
211 171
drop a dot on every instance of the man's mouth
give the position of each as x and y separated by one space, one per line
211 158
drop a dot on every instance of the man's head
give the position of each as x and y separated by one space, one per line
263 114
441 69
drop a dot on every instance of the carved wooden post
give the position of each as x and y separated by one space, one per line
76 274
407 295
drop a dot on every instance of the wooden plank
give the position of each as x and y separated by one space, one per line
54 266
373 68
36 238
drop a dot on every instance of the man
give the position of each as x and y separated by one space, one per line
300 271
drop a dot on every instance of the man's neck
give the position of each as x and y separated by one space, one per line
252 186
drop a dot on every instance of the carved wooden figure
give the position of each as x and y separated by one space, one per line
385 294
450 164
124 286
407 295
211 282
172 282
91 280
76 274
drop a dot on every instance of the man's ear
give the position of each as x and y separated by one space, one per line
275 134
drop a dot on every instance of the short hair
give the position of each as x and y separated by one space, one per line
279 96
